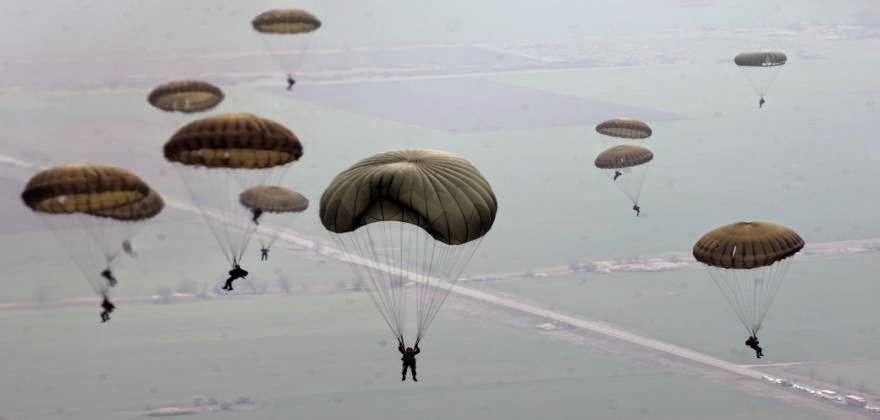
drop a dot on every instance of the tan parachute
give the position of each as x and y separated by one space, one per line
286 34
186 96
93 210
220 156
748 261
273 199
285 21
625 128
281 203
627 166
760 68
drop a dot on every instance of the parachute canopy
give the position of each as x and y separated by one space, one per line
747 245
748 261
409 221
285 21
625 128
233 140
440 192
185 96
760 59
83 187
92 210
623 156
144 209
273 199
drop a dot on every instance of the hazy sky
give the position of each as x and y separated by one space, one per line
97 26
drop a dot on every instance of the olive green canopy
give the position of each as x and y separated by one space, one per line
285 21
273 199
747 245
625 128
440 192
623 156
760 59
233 140
144 209
82 187
185 96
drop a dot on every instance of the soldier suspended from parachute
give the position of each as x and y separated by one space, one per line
748 261
760 69
92 209
627 165
409 221
286 34
219 157
274 200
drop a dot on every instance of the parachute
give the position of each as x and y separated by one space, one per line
410 221
92 209
185 96
286 34
748 261
627 165
220 156
760 68
273 200
624 128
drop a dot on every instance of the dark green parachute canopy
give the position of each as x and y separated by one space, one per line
185 96
273 199
233 140
746 245
623 156
286 21
760 59
83 188
625 128
440 192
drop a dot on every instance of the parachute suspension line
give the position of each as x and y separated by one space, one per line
395 254
215 192
631 180
758 83
292 67
377 298
386 283
207 214
750 293
776 276
352 248
71 232
275 56
460 256
730 289
423 303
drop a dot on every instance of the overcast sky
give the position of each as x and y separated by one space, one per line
97 26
